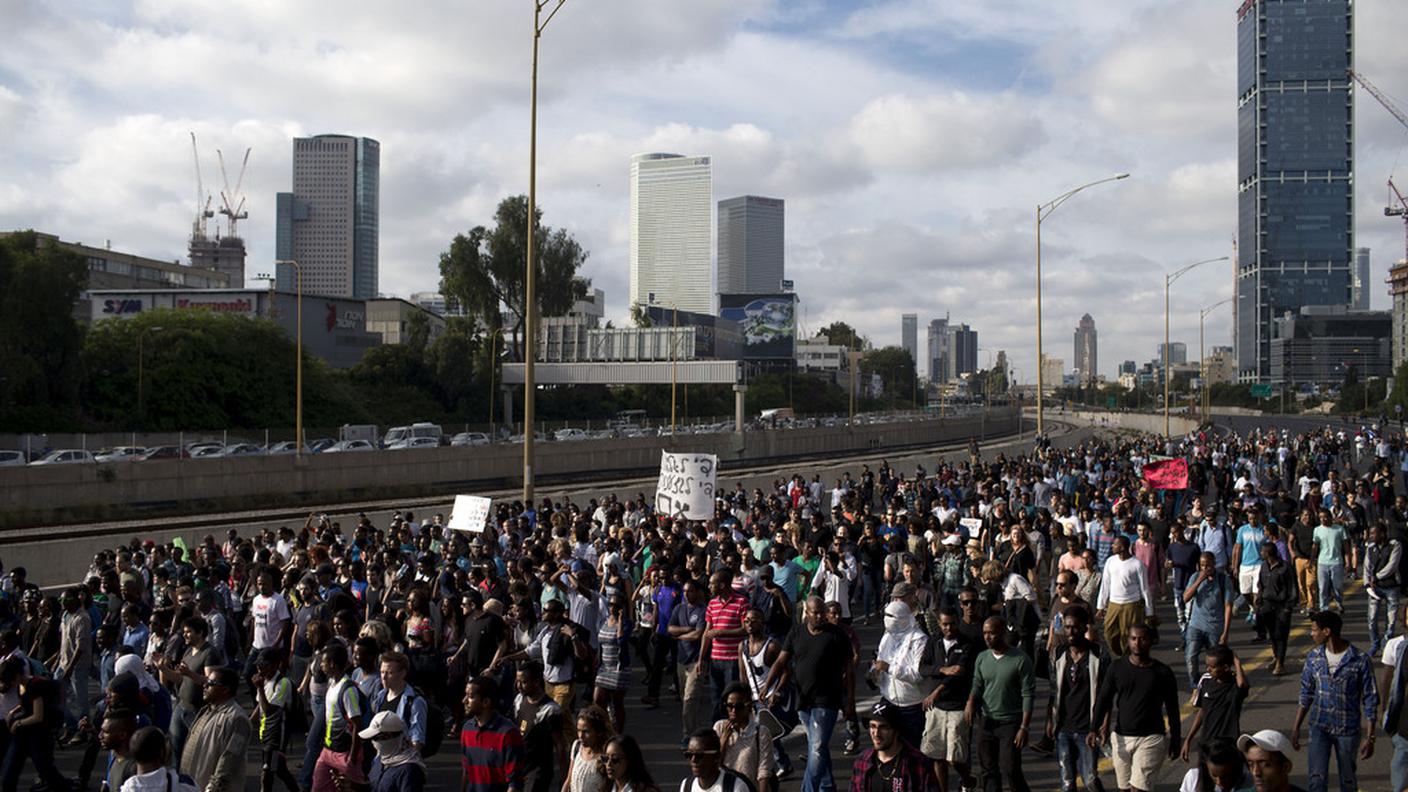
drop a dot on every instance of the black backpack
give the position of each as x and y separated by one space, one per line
435 720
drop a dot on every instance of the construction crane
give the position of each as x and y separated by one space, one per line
232 200
1401 210
203 211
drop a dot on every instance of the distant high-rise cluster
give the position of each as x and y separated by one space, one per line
953 351
329 222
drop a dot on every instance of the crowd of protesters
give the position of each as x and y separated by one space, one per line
343 654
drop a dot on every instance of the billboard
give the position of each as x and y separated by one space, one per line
767 323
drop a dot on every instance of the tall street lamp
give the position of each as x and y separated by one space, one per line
494 338
1042 212
1168 282
1202 356
530 323
298 352
141 336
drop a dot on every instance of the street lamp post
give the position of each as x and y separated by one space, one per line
1168 282
141 405
1042 212
298 352
1202 356
494 338
530 319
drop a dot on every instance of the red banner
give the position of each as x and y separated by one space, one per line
1167 474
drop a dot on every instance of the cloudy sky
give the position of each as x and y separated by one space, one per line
911 139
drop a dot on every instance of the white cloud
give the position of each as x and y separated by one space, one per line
952 130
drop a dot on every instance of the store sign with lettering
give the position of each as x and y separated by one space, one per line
119 307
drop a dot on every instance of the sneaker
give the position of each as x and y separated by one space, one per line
1045 746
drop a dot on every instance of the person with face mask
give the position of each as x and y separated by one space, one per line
397 766
896 670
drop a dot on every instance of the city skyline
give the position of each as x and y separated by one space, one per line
854 151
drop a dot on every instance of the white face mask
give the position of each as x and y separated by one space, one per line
390 746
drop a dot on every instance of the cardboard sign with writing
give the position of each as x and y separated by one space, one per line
686 485
470 513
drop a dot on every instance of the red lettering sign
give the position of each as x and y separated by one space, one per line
1167 474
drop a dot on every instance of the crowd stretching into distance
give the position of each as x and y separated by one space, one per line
949 621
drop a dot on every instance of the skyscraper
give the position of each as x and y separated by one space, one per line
938 351
750 245
1360 288
329 222
672 199
909 338
1177 355
963 351
1295 156
1086 353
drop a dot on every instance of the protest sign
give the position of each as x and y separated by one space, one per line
686 485
470 513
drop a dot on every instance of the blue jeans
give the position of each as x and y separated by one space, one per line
819 723
313 745
1398 772
873 599
1346 749
182 720
1387 601
1331 578
78 704
1196 640
1074 757
722 673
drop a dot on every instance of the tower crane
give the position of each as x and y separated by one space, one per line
232 200
1401 210
203 211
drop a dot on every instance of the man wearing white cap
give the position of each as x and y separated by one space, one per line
1268 754
397 766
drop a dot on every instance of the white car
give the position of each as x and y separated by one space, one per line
119 454
65 457
207 452
12 458
470 439
242 450
413 442
347 446
568 435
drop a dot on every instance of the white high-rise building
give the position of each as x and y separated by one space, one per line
750 245
672 202
329 223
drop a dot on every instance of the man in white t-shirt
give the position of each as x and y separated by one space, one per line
271 619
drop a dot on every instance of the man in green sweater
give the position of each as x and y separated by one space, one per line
1004 687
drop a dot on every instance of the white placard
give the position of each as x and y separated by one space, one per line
973 524
686 485
470 513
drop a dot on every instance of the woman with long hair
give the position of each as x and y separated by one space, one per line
624 765
584 767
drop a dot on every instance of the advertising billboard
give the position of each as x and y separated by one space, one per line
767 323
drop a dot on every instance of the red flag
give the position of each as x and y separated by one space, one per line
1167 474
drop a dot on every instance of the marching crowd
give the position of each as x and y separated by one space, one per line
344 654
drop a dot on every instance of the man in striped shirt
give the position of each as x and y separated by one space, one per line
723 621
491 745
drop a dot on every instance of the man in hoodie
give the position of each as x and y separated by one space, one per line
896 668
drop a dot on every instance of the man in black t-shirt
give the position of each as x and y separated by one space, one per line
820 660
485 633
1077 670
539 719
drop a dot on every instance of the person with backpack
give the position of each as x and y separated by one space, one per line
409 705
345 710
398 766
1209 596
32 725
278 707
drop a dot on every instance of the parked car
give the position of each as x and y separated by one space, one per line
70 456
119 454
321 444
242 450
207 451
12 458
163 452
346 446
398 433
567 435
414 442
470 439
283 448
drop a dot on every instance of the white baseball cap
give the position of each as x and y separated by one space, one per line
1266 740
384 723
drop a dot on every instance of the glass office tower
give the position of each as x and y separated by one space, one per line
1295 166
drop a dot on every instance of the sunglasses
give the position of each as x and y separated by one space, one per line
612 758
693 755
737 705
967 602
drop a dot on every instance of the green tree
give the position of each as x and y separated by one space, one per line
485 269
40 341
451 360
896 370
843 334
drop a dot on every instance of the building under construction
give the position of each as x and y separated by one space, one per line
212 250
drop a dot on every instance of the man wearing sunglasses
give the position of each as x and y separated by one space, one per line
216 747
704 755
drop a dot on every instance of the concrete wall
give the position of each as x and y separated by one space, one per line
1138 422
72 493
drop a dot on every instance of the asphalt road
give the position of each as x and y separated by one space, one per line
1272 702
